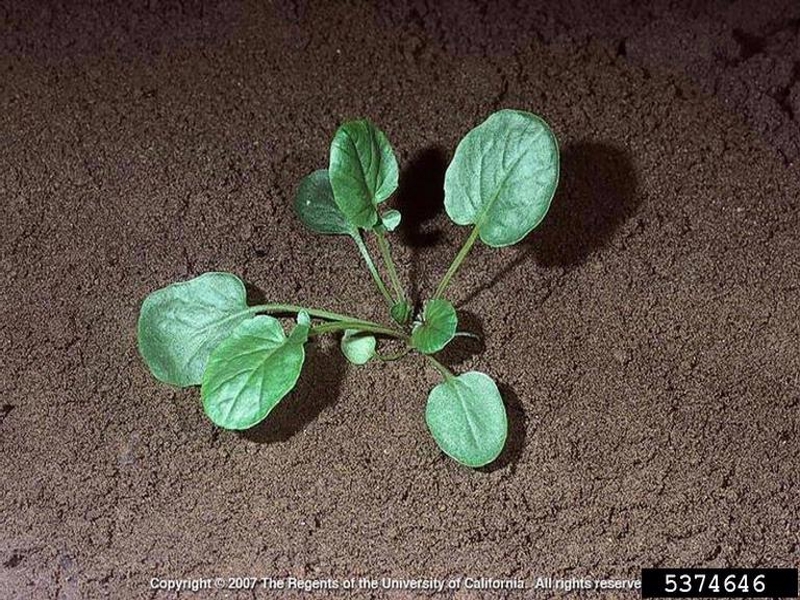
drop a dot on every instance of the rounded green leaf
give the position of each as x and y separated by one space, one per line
251 371
362 171
315 207
391 219
503 176
181 324
467 418
438 327
358 347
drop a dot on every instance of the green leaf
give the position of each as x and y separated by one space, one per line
503 176
438 327
467 418
303 318
316 208
391 219
358 347
362 171
181 324
401 312
251 371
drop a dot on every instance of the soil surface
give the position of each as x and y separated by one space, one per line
645 337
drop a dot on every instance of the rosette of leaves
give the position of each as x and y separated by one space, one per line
202 332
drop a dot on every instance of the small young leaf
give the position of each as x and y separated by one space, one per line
358 347
362 171
181 324
316 208
251 371
503 176
467 418
438 327
391 219
401 312
303 318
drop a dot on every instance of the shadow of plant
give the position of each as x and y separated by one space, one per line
462 347
597 193
517 430
420 198
318 387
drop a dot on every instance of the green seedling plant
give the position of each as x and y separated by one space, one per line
202 332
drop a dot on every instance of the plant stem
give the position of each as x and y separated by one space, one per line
337 322
445 372
360 326
387 259
294 308
462 254
362 247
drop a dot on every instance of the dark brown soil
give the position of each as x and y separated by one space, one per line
645 337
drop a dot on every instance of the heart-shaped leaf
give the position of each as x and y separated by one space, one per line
438 327
503 176
316 208
358 347
467 418
391 219
362 171
181 324
252 370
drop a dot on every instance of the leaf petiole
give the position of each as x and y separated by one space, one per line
362 248
444 371
462 254
365 326
383 245
294 308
